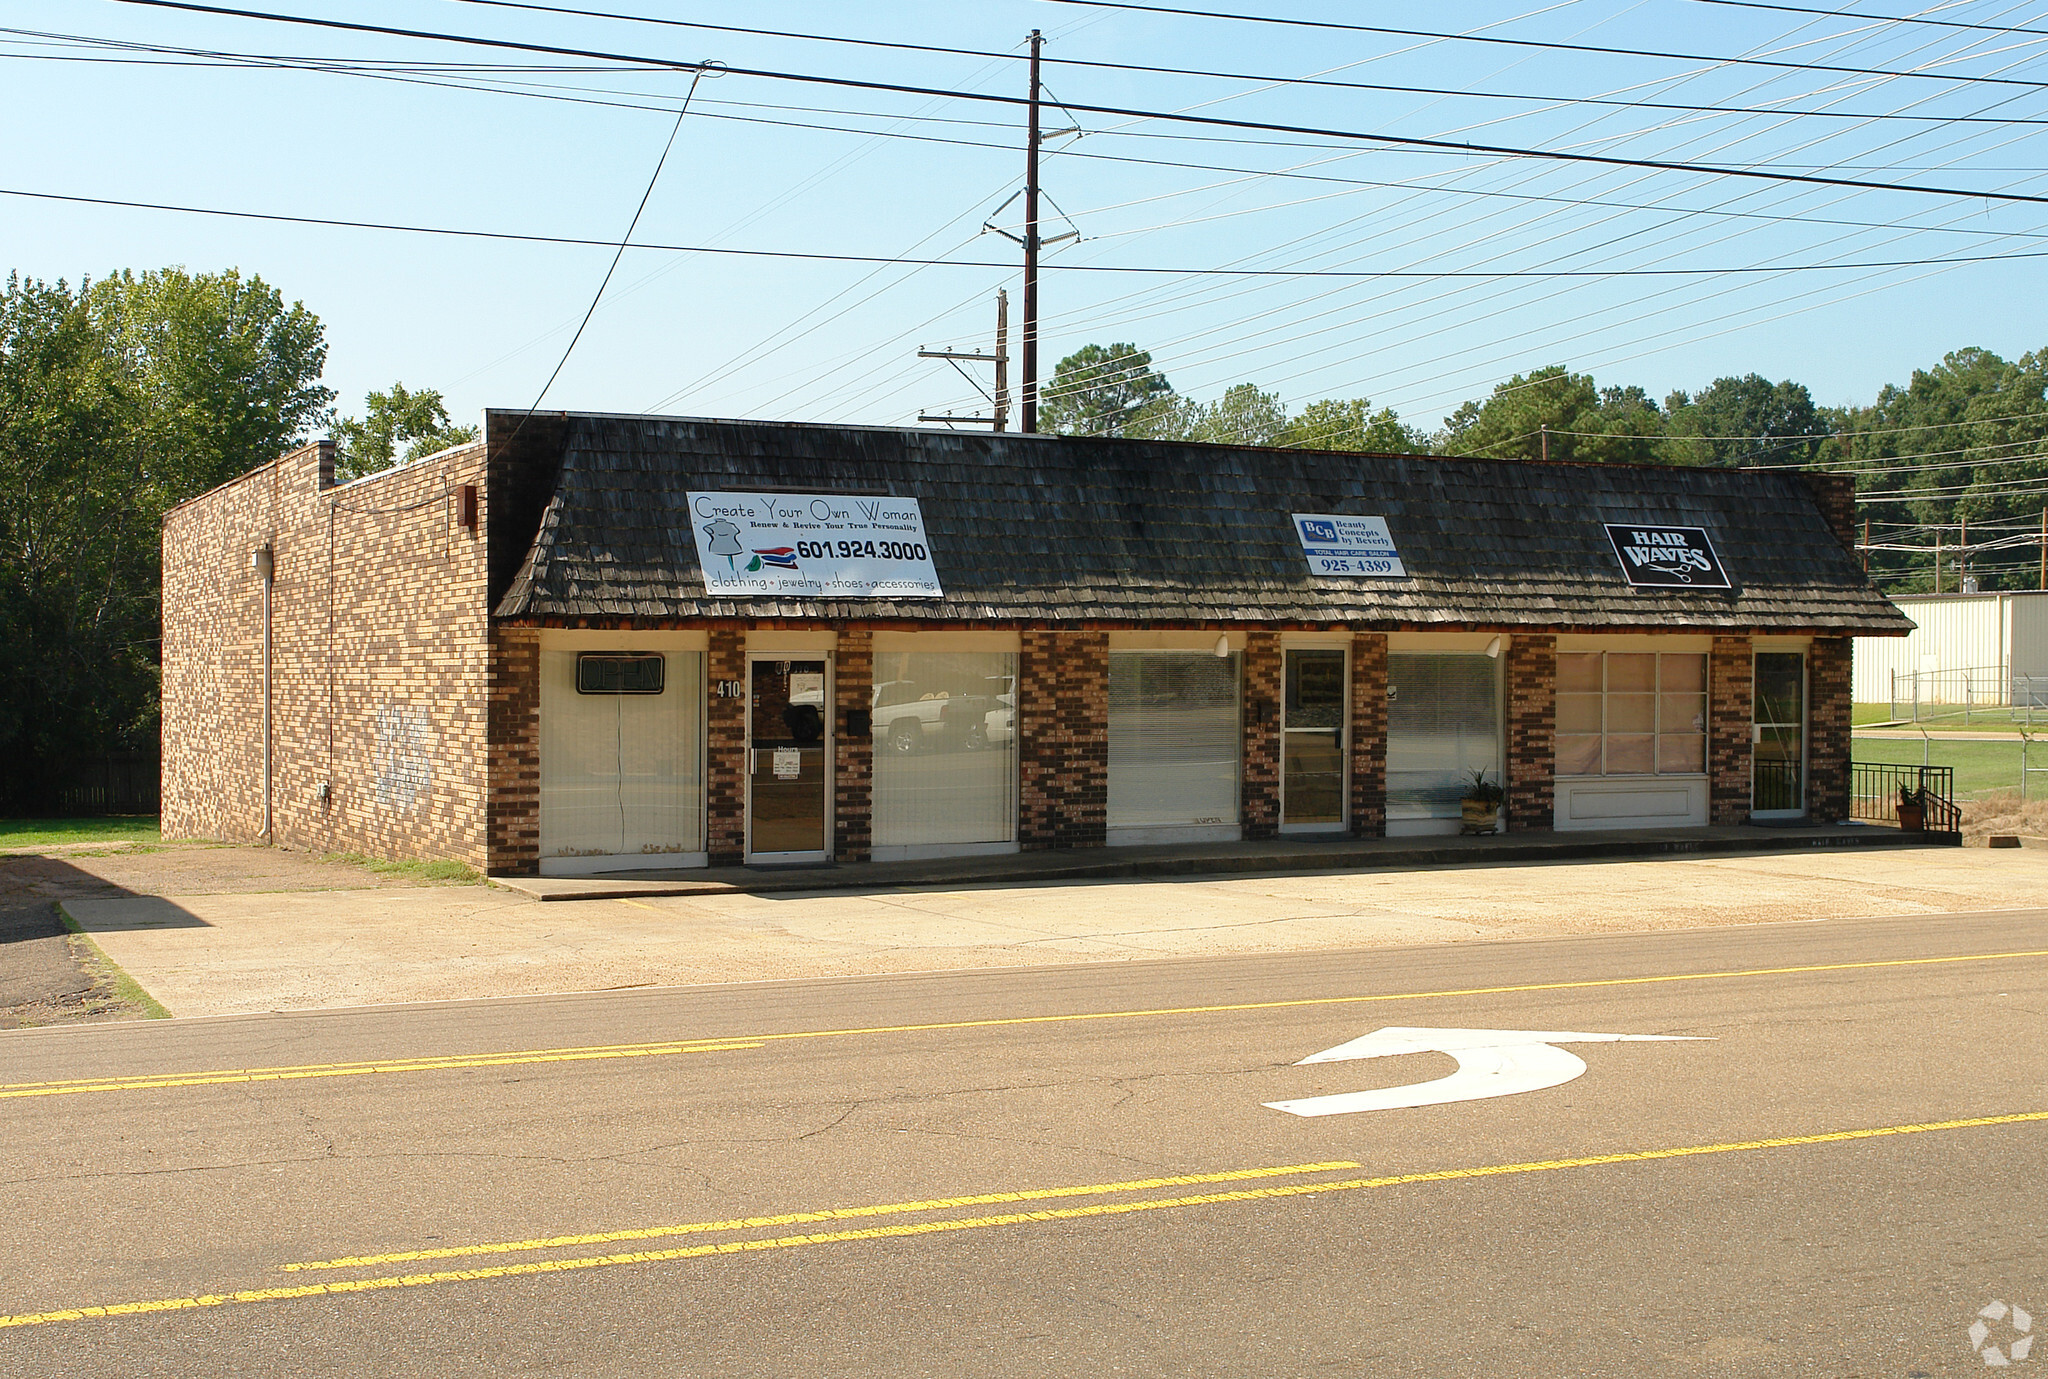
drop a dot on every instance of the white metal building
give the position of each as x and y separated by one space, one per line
1967 649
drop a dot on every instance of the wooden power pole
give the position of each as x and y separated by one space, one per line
1030 342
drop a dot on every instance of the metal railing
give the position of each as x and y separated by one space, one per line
1875 786
1774 784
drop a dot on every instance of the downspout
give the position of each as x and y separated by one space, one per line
265 562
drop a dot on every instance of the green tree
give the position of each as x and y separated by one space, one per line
1099 390
77 544
1744 421
118 399
227 375
395 423
1352 424
1584 422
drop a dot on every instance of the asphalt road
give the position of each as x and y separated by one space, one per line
1066 1172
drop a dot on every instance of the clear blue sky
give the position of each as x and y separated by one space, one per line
774 165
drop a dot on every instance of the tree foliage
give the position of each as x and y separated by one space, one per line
1100 390
397 423
118 399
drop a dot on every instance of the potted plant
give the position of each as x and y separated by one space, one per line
1912 809
1481 804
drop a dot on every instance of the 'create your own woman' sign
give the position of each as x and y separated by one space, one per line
812 545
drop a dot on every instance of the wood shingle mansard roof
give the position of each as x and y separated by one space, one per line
589 519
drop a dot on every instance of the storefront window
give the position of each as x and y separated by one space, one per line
621 765
1442 725
945 726
1174 739
1631 713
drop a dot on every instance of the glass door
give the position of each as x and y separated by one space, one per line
788 738
1778 763
1312 742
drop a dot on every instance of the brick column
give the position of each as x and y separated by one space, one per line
1263 669
1532 732
1063 739
1828 717
513 799
853 778
1731 689
725 749
1369 735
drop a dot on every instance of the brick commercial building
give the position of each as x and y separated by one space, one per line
599 643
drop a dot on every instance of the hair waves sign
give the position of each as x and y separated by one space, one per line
812 545
1667 557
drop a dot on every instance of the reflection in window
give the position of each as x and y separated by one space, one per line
945 748
1629 713
621 771
1174 739
1442 725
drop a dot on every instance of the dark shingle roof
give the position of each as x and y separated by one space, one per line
1045 527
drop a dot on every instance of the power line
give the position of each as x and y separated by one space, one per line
1393 140
1879 18
1152 69
1348 273
1547 44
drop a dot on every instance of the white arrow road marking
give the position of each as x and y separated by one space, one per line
1491 1062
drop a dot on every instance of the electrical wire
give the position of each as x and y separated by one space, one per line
1410 141
1549 45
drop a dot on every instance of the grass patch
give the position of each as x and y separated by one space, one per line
1980 767
116 828
108 974
439 872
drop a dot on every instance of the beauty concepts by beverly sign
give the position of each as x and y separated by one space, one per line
812 545
1667 557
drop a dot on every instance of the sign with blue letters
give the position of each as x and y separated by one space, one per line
1357 547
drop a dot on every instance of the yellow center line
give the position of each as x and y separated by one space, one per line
345 1287
396 1065
713 1044
804 1218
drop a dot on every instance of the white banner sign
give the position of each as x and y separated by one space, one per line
1354 546
813 545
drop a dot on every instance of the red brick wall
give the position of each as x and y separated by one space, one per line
854 773
1828 717
1369 735
725 749
1063 739
1835 496
1731 684
1264 669
514 822
379 662
1532 732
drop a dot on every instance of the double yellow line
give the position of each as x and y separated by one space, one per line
663 1048
905 1229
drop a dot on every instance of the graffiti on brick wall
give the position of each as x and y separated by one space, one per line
403 756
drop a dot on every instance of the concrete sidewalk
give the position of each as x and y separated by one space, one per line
223 953
1265 856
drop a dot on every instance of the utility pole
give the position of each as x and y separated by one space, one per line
1003 361
1030 342
1000 403
2044 548
1866 544
1545 430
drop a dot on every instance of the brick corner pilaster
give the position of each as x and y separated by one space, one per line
1263 670
853 777
1063 739
512 828
725 748
1731 686
1532 733
1369 735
